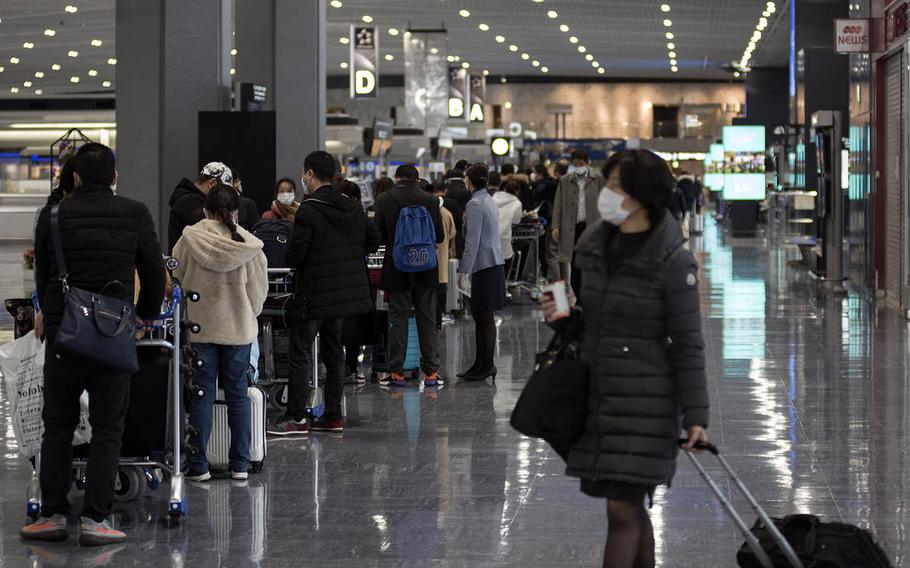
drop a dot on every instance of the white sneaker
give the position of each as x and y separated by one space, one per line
239 475
200 477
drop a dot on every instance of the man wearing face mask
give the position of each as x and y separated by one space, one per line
188 199
574 209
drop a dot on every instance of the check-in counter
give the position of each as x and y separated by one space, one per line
17 214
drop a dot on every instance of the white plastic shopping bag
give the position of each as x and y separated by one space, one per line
22 364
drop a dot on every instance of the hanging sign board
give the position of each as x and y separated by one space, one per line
458 92
851 36
364 63
478 94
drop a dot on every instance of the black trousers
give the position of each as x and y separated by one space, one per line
65 377
422 299
300 365
441 297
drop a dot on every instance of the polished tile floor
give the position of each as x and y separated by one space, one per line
809 400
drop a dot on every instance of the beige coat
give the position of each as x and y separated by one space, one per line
230 277
443 249
565 210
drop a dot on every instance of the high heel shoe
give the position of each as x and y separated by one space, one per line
472 370
481 375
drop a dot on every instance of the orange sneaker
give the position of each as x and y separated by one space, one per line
51 529
396 379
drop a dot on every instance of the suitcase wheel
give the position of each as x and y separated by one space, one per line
129 483
278 396
256 467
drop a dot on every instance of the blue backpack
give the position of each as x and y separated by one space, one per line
415 240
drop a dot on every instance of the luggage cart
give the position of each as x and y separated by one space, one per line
529 278
272 325
169 331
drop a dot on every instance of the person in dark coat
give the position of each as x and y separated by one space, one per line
249 211
106 239
332 237
188 199
409 290
639 324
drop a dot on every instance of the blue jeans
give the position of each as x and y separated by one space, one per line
228 363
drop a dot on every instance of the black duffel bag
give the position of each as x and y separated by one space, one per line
553 405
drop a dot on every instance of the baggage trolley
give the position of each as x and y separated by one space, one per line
273 329
169 331
529 278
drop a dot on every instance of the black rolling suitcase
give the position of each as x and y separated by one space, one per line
795 541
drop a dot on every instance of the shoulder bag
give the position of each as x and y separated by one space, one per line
95 326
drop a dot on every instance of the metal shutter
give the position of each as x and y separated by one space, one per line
894 208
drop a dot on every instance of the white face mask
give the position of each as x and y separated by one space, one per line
609 204
286 198
582 171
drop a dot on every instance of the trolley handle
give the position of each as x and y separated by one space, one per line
703 446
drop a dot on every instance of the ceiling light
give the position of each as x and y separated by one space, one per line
70 9
544 69
344 40
670 35
14 60
389 57
500 39
595 64
589 57
234 52
344 65
465 65
513 47
456 57
27 84
39 92
105 84
92 73
336 4
483 27
756 35
600 70
55 67
74 79
14 90
367 19
673 62
28 45
766 14
73 53
434 50
507 104
486 72
61 125
232 71
582 49
563 28
552 14
535 63
736 73
664 7
672 54
450 58
671 46
674 69
525 56
2 68
112 61
464 13
393 31
39 74
771 7
97 43
49 32
573 39
668 23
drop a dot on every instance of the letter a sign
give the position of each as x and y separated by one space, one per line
364 66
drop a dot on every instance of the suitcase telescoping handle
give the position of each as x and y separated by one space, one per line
752 541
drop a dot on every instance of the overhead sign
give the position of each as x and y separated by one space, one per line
500 146
458 92
851 36
364 63
253 97
478 94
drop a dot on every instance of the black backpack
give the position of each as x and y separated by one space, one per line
275 235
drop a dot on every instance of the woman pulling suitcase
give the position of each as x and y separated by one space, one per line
226 265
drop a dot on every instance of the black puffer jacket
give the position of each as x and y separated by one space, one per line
187 204
332 237
105 238
642 341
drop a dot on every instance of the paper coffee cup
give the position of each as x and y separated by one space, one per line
560 296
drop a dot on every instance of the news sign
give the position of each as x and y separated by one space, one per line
851 36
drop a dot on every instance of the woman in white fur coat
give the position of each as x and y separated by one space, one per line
226 265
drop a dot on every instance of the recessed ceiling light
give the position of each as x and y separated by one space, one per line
70 9
465 64
589 57
367 19
344 65
336 4
434 50
456 57
674 69
595 64
393 31
736 73
55 67
668 23
771 8
486 72
112 61
670 35
525 56
343 40
74 79
507 104
671 46
673 62
39 92
27 84
2 68
582 49
672 54
234 51
544 69
14 60
500 39
73 53
97 43
563 28
664 7
552 14
513 47
464 13
49 32
232 71
484 27
600 70
14 90
573 39
106 84
28 45
450 58
92 73
766 14
389 57
535 63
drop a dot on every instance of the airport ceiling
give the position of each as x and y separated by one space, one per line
66 47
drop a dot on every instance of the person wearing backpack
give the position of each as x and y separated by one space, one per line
332 235
410 226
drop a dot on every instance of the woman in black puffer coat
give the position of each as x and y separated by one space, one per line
639 322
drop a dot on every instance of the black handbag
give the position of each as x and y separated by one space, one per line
553 405
95 326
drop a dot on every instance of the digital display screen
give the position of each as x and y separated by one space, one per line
714 182
716 152
744 187
744 138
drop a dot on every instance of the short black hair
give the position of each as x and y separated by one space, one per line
579 154
495 179
511 187
541 170
323 165
646 177
284 180
462 165
507 169
406 171
454 173
561 168
235 174
95 164
350 189
479 175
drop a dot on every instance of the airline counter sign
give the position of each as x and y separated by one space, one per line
364 65
458 92
851 36
478 94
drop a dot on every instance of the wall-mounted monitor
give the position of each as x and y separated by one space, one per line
744 187
716 152
744 138
714 182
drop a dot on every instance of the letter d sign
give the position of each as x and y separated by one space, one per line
364 82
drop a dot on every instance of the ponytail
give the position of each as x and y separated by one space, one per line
222 202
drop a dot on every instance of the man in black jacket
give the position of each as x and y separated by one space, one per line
409 290
249 211
332 237
457 192
188 199
106 239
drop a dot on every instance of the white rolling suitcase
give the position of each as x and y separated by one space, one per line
220 440
454 301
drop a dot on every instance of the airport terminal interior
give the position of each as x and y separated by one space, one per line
780 128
